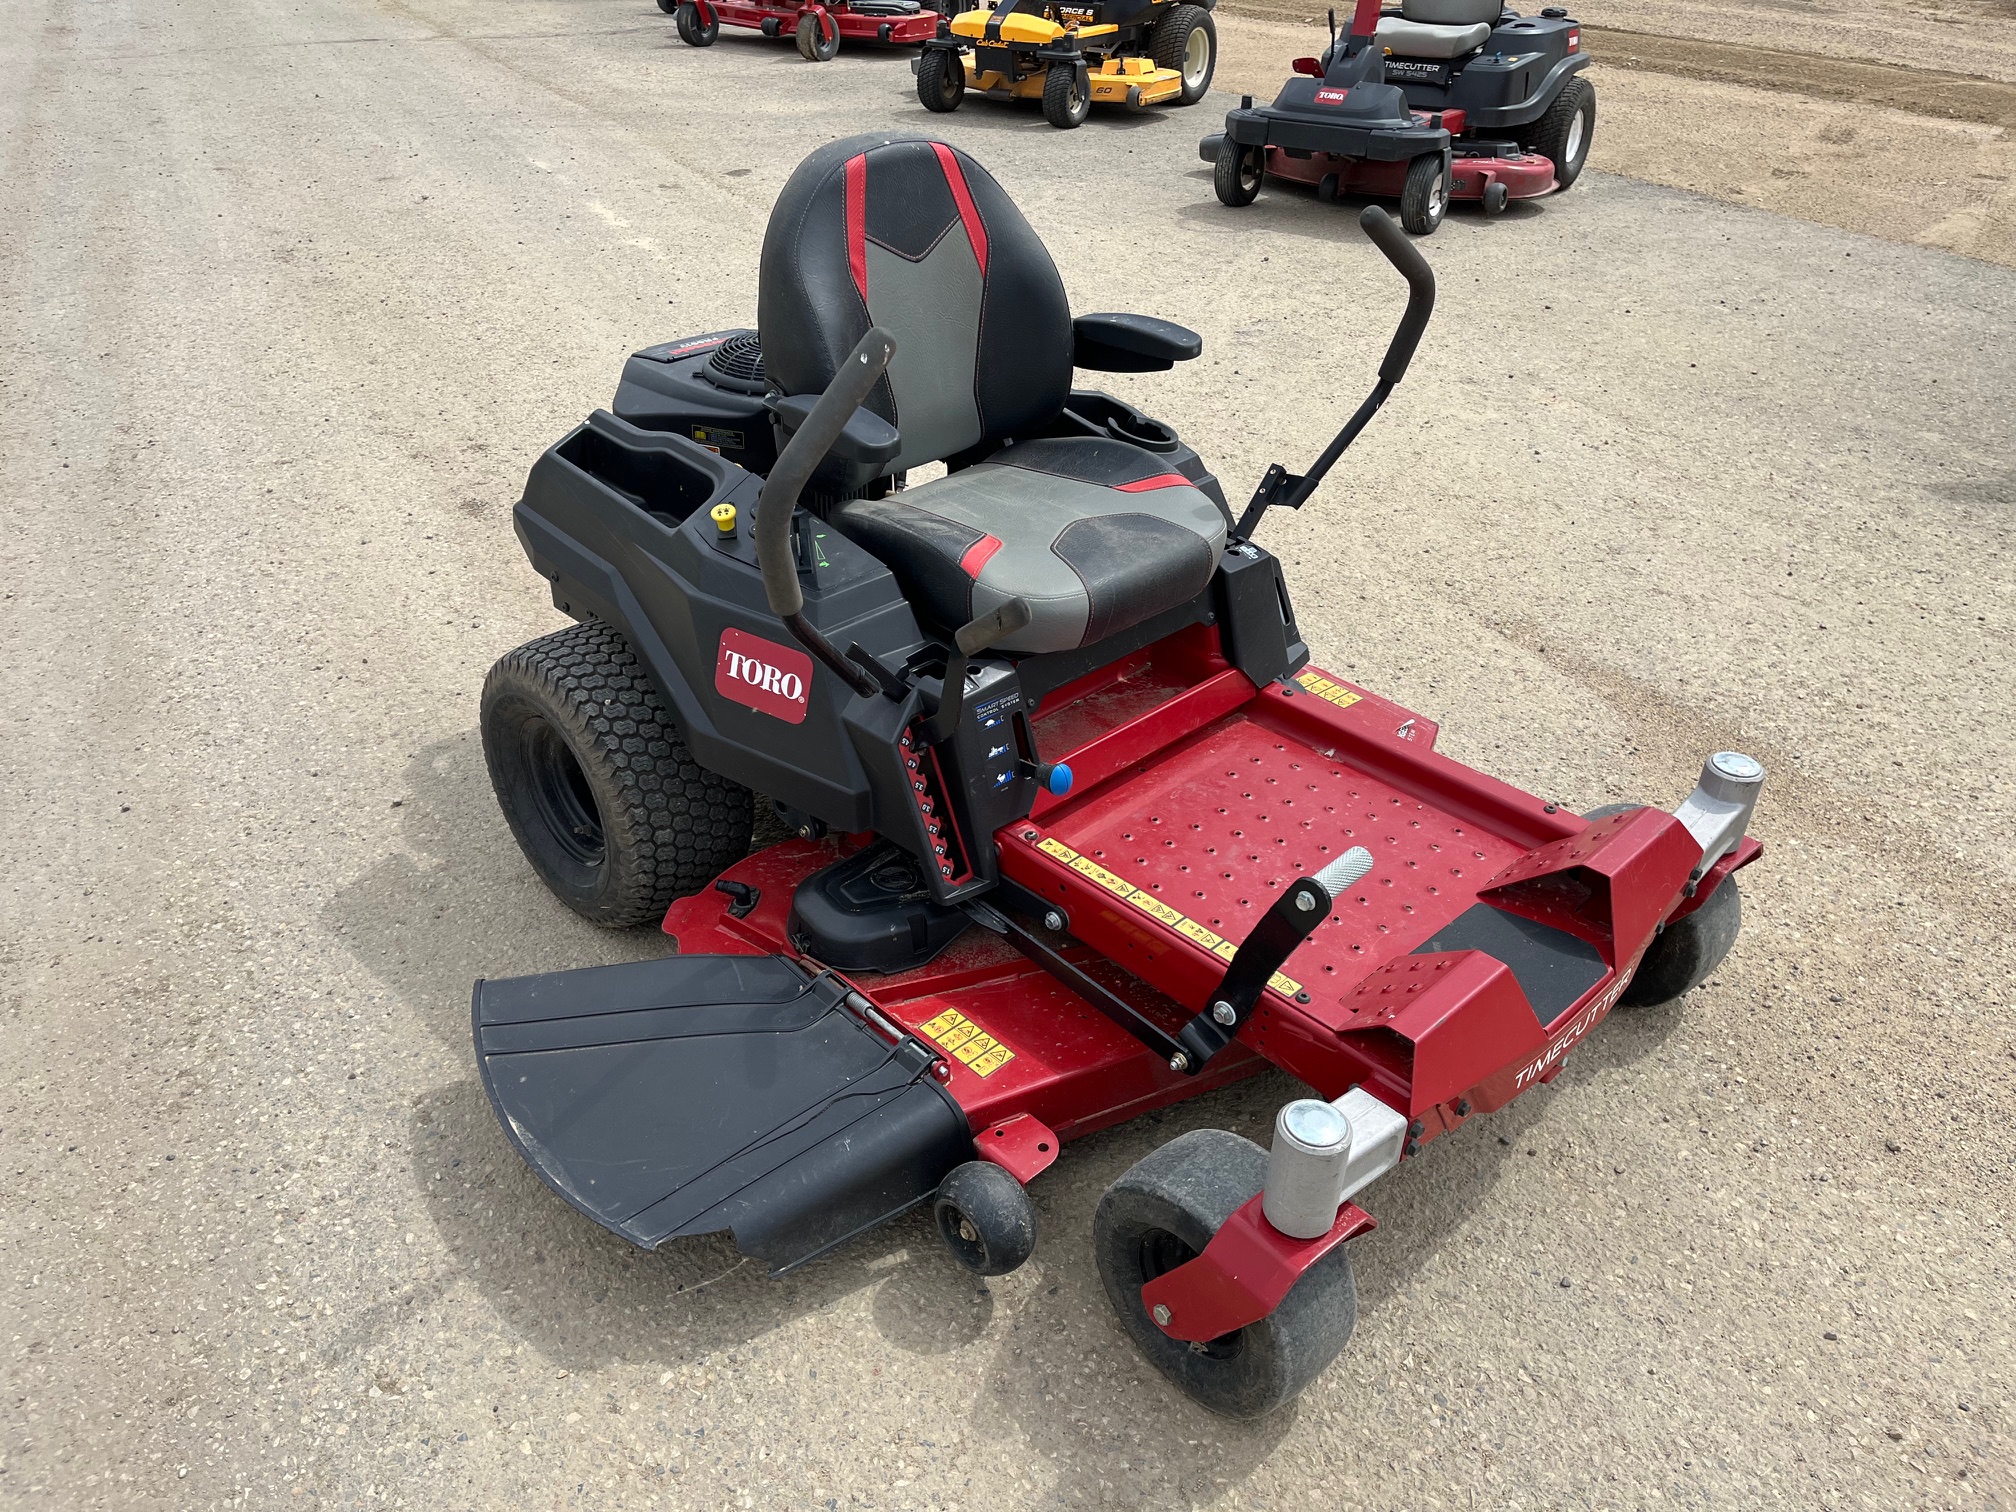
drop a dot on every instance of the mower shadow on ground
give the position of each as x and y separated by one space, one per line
1296 211
459 903
586 1299
979 113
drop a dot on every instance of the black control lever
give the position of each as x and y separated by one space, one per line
807 448
1295 916
1291 491
973 637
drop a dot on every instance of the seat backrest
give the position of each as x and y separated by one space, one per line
1452 12
912 235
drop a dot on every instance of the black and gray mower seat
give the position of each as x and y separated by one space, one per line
1438 28
914 236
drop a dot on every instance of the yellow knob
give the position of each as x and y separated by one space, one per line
723 516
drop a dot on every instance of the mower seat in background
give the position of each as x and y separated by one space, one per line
1438 28
914 236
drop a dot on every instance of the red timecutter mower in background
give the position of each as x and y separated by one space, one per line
817 27
1079 831
1436 101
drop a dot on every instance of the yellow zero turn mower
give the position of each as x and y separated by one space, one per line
1121 52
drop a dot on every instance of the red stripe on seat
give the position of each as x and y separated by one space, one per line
857 222
1149 485
976 233
978 555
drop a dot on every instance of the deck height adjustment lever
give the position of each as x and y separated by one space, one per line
1295 916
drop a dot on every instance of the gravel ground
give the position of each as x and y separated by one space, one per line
291 299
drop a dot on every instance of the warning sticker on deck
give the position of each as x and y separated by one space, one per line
1328 691
967 1043
1155 908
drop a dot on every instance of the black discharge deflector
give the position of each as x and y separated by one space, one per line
1553 968
699 1093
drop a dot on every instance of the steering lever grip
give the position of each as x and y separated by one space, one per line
1407 260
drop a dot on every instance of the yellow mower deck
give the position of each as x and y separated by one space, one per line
1116 81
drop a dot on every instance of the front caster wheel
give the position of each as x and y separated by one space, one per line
1162 1213
692 30
1425 196
1238 172
1684 954
605 800
941 80
985 1217
814 43
1067 96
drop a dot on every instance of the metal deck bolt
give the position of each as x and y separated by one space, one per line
1054 920
1179 1062
1225 1013
1162 1315
1304 902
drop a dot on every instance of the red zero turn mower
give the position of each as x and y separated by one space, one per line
818 28
1079 830
1439 100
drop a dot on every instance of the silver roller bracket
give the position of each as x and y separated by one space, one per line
1717 813
1325 1153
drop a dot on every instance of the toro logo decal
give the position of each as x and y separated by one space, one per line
1331 96
767 677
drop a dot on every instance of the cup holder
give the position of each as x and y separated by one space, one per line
1102 412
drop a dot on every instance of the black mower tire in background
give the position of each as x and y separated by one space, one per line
1685 954
813 43
1238 173
1424 198
1162 1212
1564 131
1175 44
1067 96
941 80
986 1218
605 800
692 31
670 7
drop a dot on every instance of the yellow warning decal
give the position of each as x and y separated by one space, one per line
969 1044
1328 691
1154 907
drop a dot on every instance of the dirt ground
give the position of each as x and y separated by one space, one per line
1896 124
290 299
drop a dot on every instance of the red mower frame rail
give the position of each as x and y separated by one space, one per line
817 29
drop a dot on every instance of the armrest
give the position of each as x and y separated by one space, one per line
1131 343
866 437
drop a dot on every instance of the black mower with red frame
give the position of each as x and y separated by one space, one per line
1433 102
1076 829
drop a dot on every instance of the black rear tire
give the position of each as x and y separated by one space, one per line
941 80
692 31
813 43
604 798
1238 173
1163 1212
1424 199
1067 97
1172 45
1556 134
670 7
985 1217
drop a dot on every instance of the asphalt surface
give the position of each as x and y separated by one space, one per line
292 298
